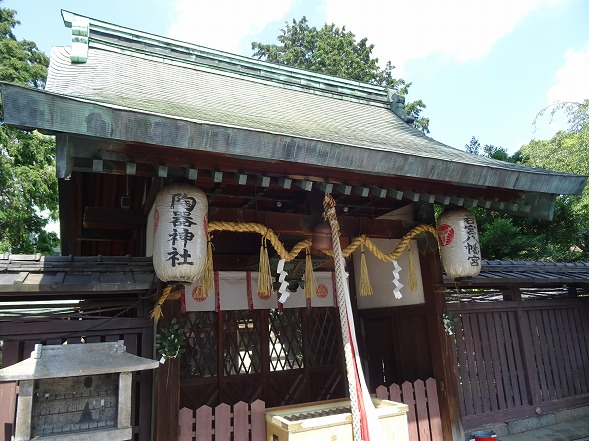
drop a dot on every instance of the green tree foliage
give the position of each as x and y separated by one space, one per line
28 186
334 51
505 237
567 151
473 147
566 237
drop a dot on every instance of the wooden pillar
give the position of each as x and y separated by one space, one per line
513 295
442 347
167 400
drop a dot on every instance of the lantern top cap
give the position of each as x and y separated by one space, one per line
56 361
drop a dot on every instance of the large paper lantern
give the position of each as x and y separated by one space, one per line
180 233
459 243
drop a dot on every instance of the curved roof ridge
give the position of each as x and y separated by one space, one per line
106 35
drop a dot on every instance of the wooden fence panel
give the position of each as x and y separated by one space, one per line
258 420
435 420
423 417
421 410
382 393
409 400
204 420
240 422
245 423
223 422
185 421
513 356
582 327
395 393
564 384
520 347
498 399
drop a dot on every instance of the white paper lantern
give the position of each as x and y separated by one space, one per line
180 233
459 243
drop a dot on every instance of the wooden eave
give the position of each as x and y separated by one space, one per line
103 138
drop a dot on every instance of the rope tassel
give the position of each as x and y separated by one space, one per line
412 273
208 274
310 287
265 277
365 285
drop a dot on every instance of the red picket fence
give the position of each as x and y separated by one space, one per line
423 417
247 423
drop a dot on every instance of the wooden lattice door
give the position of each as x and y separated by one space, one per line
282 356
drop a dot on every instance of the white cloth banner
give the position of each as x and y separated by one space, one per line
192 301
232 289
257 302
325 292
238 290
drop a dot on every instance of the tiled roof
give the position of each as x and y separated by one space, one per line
35 274
139 88
191 92
525 272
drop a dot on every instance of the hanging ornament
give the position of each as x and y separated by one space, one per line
397 285
265 276
365 285
459 243
283 288
180 233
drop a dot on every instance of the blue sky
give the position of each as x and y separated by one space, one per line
483 68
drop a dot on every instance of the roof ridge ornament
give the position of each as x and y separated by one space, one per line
397 105
80 36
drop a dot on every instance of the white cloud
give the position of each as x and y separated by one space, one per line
222 24
572 79
463 30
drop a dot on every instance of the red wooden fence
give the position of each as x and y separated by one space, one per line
423 417
247 423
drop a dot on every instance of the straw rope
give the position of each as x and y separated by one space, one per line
269 235
156 313
393 255
329 206
250 227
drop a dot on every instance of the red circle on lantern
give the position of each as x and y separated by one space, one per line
446 233
322 291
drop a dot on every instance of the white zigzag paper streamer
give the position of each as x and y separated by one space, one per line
397 284
283 283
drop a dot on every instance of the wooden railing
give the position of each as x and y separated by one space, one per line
247 423
423 417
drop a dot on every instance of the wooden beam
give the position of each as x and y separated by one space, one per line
64 161
105 235
442 350
167 402
301 225
113 218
